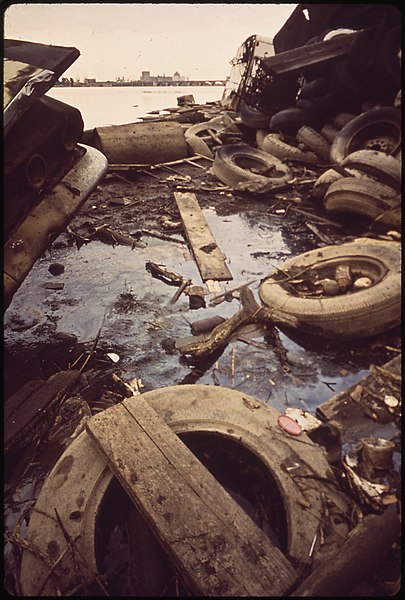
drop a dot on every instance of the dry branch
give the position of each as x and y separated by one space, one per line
251 312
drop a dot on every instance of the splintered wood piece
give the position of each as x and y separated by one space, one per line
215 546
32 403
209 258
338 405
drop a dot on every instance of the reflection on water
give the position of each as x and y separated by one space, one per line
101 106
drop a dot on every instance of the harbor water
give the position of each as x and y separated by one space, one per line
102 106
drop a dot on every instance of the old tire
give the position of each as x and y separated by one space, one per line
80 479
353 315
198 146
290 120
274 145
233 164
314 141
328 177
342 119
364 197
381 166
253 117
329 132
377 129
201 130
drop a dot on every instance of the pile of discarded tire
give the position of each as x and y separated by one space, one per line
360 156
346 120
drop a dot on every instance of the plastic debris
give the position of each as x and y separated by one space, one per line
306 421
391 401
289 425
362 282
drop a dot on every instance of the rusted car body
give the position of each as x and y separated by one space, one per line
48 175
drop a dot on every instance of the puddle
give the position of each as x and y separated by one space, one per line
109 287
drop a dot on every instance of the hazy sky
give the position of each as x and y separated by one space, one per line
122 40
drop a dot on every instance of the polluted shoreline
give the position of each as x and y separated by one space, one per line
214 327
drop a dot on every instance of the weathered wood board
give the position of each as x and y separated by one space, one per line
292 61
338 404
30 404
209 258
215 546
366 547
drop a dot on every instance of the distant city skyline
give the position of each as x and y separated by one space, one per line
122 40
145 79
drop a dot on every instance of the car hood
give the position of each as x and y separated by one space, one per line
30 70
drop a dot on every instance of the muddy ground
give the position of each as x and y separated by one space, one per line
104 301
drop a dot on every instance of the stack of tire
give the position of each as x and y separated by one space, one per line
367 177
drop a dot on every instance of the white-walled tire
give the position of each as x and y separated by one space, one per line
364 197
354 315
78 483
201 130
315 142
377 129
273 144
378 165
239 163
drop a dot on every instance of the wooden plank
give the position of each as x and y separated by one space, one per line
339 403
24 409
303 57
215 546
209 258
363 552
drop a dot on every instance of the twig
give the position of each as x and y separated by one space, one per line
184 188
206 157
94 343
166 168
150 174
385 372
161 236
70 542
125 179
54 565
315 217
315 230
191 162
218 299
181 289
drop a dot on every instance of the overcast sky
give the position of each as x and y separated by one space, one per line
122 40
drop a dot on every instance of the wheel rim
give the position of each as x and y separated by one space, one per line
383 137
35 172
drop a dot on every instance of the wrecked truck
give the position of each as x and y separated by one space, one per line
350 63
48 174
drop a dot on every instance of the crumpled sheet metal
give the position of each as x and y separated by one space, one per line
30 82
49 218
